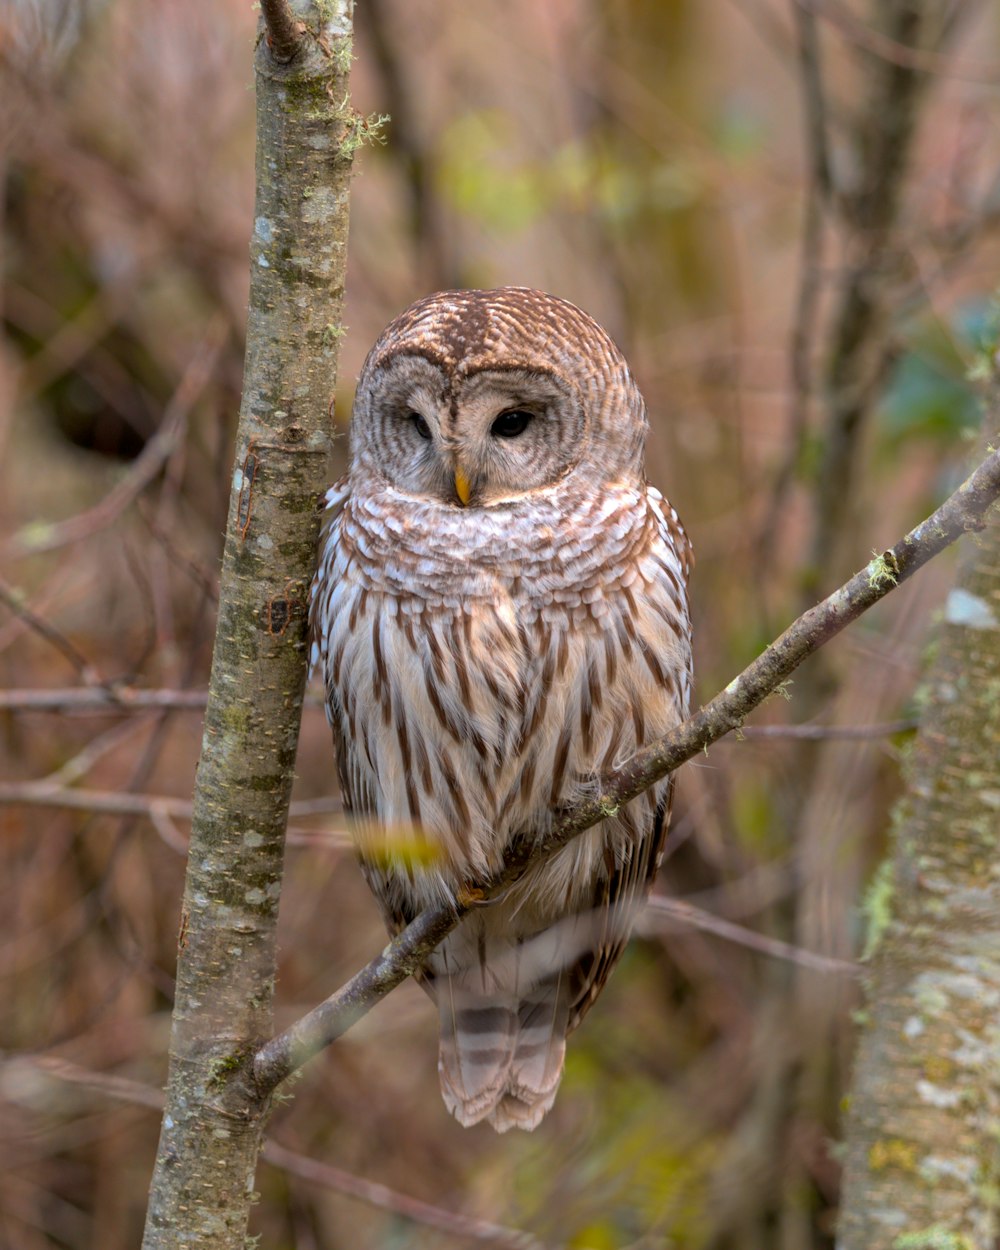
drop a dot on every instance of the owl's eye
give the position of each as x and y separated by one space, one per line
420 425
511 424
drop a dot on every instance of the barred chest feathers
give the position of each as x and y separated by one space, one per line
508 654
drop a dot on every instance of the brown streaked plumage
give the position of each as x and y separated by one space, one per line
500 615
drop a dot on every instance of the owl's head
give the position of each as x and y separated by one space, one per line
471 398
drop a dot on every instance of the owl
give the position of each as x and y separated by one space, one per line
500 617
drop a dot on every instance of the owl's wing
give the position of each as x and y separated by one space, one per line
619 897
617 900
322 587
354 772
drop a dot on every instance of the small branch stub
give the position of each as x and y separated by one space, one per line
283 33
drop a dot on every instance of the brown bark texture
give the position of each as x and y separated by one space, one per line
202 1186
922 1166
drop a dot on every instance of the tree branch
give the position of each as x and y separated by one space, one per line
685 915
136 1093
896 51
101 700
116 803
964 510
39 537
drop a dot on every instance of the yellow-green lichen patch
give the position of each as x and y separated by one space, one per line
936 1237
892 1152
877 907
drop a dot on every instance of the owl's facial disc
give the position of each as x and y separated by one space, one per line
471 440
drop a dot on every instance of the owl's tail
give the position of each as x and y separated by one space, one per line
501 1058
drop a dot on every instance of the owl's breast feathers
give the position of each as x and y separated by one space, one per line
482 666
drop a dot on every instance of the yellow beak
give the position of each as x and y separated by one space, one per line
463 487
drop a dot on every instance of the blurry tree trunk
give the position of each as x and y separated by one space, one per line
212 1127
870 204
923 1168
861 199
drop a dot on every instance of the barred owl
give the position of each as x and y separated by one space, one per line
500 616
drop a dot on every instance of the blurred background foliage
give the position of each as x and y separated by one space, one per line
651 160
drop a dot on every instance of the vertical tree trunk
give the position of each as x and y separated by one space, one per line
923 1168
306 136
884 135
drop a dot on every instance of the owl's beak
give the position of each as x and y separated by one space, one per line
463 487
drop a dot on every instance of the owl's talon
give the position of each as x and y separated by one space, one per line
469 896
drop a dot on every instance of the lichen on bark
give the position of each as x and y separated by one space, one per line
922 1165
212 1126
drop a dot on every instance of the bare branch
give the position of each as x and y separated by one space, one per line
830 733
117 803
895 51
962 511
15 604
392 1200
684 914
122 1089
39 537
112 698
97 748
102 700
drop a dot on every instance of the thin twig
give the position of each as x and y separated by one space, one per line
804 322
111 698
964 510
830 733
123 1089
905 55
205 581
39 537
117 803
15 604
120 1088
167 831
684 914
102 699
96 749
387 1199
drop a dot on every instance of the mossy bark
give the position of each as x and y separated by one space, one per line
923 1167
306 135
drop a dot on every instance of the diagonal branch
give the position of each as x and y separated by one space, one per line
452 1223
965 510
39 537
685 915
896 51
